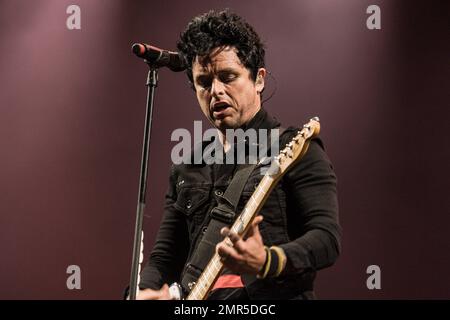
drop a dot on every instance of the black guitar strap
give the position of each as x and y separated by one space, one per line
221 216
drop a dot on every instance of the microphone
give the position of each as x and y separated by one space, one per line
159 57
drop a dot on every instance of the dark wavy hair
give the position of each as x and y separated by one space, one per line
220 29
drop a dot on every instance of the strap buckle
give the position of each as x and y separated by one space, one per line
223 214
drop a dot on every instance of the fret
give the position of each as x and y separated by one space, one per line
260 191
254 202
235 228
208 274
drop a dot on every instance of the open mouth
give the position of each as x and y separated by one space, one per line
219 106
219 109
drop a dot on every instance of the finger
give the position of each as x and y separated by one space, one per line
231 260
255 226
235 240
257 220
222 250
224 231
225 252
238 243
234 237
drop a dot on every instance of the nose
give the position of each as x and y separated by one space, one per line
217 87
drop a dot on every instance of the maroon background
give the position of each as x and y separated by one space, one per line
71 121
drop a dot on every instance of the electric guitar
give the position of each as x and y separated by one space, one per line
287 158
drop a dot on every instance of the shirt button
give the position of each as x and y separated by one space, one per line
219 193
188 204
204 229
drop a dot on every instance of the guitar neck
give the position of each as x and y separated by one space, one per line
243 222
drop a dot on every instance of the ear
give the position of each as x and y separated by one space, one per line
259 83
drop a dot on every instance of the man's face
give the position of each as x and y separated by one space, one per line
227 94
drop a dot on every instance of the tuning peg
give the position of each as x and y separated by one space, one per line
290 154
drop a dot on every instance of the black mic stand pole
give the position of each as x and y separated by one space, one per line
152 82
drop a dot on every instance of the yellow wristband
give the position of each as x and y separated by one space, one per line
281 259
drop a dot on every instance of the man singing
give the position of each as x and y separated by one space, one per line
298 225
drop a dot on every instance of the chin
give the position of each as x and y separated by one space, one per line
227 124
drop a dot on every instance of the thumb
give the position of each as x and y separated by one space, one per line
164 293
165 287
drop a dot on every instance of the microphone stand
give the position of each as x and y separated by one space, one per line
152 82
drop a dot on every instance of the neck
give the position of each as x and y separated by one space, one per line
223 140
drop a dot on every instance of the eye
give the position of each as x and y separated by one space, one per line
204 82
205 85
227 77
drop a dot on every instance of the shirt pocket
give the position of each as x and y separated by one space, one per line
190 200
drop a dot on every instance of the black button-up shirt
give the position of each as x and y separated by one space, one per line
300 216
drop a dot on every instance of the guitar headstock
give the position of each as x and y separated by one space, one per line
297 147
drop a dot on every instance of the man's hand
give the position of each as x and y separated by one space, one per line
150 294
245 255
